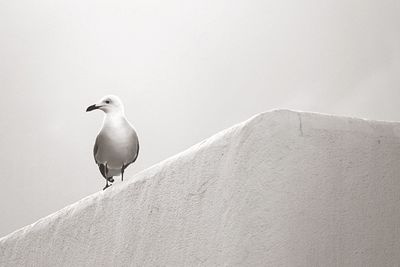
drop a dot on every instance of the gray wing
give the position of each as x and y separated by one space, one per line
96 150
101 165
136 154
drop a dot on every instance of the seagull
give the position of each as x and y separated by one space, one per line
117 144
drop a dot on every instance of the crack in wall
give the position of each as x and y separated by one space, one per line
300 124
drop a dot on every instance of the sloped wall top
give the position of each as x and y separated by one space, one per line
281 189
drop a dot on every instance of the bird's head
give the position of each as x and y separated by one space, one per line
108 104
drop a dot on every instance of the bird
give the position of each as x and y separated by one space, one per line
117 143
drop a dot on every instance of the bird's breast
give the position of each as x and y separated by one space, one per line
118 146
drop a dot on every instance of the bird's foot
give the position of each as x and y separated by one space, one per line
107 186
111 180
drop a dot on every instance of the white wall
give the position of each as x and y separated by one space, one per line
184 69
281 189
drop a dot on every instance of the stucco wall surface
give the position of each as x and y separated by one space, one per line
281 189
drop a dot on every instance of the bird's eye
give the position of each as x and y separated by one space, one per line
107 101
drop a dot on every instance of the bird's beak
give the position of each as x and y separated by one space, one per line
92 107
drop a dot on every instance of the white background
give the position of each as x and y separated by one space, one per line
184 69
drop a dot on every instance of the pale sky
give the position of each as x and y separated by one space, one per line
184 70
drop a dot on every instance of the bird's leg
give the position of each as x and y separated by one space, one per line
106 174
110 179
122 172
107 185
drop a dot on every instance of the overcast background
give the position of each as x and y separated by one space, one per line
184 69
